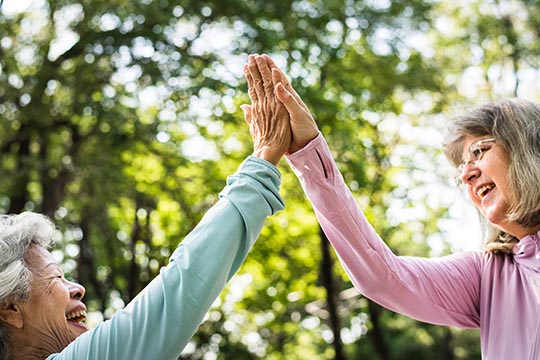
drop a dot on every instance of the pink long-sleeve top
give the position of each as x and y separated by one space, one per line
498 293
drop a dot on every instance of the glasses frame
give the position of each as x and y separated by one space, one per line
475 153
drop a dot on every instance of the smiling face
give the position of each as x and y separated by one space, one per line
487 185
53 316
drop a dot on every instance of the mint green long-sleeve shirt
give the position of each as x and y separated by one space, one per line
161 320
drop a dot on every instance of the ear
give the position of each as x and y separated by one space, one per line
11 314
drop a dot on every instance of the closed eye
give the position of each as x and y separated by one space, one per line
479 152
57 276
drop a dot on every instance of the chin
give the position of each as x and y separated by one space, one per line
78 329
496 215
495 220
74 330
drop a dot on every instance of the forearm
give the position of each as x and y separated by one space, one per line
423 288
161 320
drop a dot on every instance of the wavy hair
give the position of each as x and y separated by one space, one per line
515 125
17 233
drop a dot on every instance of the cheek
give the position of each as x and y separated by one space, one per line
52 298
505 186
48 323
472 197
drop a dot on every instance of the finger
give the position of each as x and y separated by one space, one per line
274 67
271 63
288 100
281 78
257 79
266 75
276 77
247 113
251 85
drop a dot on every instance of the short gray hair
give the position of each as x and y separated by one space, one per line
515 124
17 234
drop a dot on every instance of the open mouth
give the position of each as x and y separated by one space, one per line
76 316
484 190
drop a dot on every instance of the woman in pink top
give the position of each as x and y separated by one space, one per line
496 149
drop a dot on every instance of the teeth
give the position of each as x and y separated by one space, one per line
76 314
484 189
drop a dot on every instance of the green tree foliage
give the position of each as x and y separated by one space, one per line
120 120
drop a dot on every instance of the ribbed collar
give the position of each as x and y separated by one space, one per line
527 252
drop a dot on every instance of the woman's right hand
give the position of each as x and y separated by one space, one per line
267 117
303 126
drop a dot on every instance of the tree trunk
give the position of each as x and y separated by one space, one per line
376 334
133 276
327 278
19 192
86 267
448 352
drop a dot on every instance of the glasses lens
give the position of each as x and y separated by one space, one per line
476 153
479 148
458 181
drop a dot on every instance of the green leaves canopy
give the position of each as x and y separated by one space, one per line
120 120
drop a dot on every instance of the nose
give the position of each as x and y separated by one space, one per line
76 291
469 172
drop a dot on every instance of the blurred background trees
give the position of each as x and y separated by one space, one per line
121 120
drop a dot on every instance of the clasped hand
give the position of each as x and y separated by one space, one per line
279 120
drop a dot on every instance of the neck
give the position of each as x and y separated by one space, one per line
30 353
519 231
25 348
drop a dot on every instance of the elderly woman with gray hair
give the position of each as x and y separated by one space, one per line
496 151
42 313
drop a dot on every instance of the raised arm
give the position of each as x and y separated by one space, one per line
161 320
442 290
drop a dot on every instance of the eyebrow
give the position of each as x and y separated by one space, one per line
52 264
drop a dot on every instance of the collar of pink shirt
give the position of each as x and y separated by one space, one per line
527 253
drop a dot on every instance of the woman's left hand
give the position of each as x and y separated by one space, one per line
267 117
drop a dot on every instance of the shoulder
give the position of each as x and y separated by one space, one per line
479 260
493 262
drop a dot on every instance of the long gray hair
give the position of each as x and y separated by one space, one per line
515 124
17 233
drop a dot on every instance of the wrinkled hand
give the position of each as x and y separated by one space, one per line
267 117
303 126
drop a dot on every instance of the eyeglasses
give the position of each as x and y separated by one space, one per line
475 153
